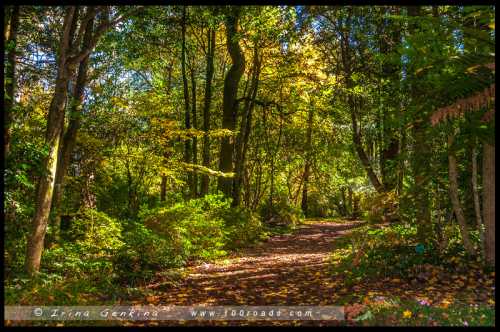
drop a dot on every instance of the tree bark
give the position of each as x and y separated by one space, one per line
194 183
356 136
477 207
67 59
69 139
308 156
454 196
205 180
166 154
356 132
10 78
55 124
187 117
489 201
245 129
229 108
390 144
421 155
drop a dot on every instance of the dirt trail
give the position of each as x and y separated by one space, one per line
285 270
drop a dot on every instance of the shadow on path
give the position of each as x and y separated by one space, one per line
285 270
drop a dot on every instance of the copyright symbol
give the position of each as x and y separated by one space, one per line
38 312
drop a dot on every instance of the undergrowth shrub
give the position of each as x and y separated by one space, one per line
281 213
91 239
144 253
381 207
94 231
374 252
242 227
193 228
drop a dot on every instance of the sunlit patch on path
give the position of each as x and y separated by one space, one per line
287 269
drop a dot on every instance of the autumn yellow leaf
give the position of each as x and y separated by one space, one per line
445 304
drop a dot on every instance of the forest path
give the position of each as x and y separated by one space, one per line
289 269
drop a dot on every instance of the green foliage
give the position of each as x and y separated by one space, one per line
89 242
417 314
379 252
194 228
167 237
94 231
281 213
143 253
381 207
242 227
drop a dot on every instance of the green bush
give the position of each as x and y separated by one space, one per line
370 252
95 232
144 253
281 213
92 238
381 207
242 227
195 229
76 259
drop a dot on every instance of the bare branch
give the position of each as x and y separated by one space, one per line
101 29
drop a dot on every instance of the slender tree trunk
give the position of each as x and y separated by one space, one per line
421 154
245 129
390 144
10 78
69 138
477 207
163 188
229 108
7 14
205 180
489 201
356 132
350 202
55 124
457 207
356 136
273 162
187 118
308 156
343 206
166 154
194 183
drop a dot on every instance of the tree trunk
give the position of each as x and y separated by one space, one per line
308 156
421 155
205 180
273 163
477 207
356 136
453 175
166 154
390 144
194 183
163 188
229 108
187 118
356 132
489 202
10 78
350 202
55 124
69 139
245 128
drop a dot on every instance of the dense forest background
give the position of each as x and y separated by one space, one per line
138 139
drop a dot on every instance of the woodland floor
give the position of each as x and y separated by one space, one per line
293 269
